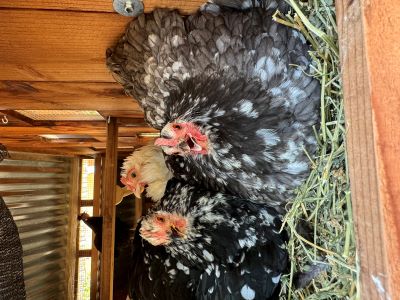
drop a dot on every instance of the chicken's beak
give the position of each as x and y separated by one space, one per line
183 146
138 190
176 232
190 144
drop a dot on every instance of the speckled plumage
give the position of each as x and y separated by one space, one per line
240 77
233 250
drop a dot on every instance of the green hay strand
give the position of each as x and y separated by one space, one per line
324 200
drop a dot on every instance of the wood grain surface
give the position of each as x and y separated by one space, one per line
368 31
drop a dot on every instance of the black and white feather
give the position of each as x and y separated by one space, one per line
231 249
237 75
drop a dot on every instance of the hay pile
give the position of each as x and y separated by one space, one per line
324 200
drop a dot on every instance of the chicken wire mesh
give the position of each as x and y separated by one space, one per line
84 269
85 232
87 179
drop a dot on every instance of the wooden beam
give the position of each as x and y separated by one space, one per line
368 31
31 139
121 114
65 70
10 120
42 144
34 157
30 180
31 192
66 140
57 151
132 122
108 211
138 209
129 147
79 178
125 122
136 122
107 96
185 6
96 212
125 140
31 169
15 118
72 229
7 131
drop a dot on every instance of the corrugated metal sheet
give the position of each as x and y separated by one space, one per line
36 190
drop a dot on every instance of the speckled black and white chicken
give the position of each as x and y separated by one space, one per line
197 244
229 91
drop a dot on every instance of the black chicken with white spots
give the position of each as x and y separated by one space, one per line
230 93
197 244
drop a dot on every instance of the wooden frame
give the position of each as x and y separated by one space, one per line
370 55
95 204
96 212
71 256
108 212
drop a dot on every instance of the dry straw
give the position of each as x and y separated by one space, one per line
324 200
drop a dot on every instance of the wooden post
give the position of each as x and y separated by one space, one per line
370 55
108 211
138 209
96 212
72 237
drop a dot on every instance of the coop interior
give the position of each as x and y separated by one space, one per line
57 103
68 125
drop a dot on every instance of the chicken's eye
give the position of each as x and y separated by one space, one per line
133 175
176 126
160 219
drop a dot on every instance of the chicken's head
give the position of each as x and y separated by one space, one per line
132 181
161 228
182 138
145 169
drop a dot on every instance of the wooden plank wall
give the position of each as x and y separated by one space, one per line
53 53
370 55
53 57
59 46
